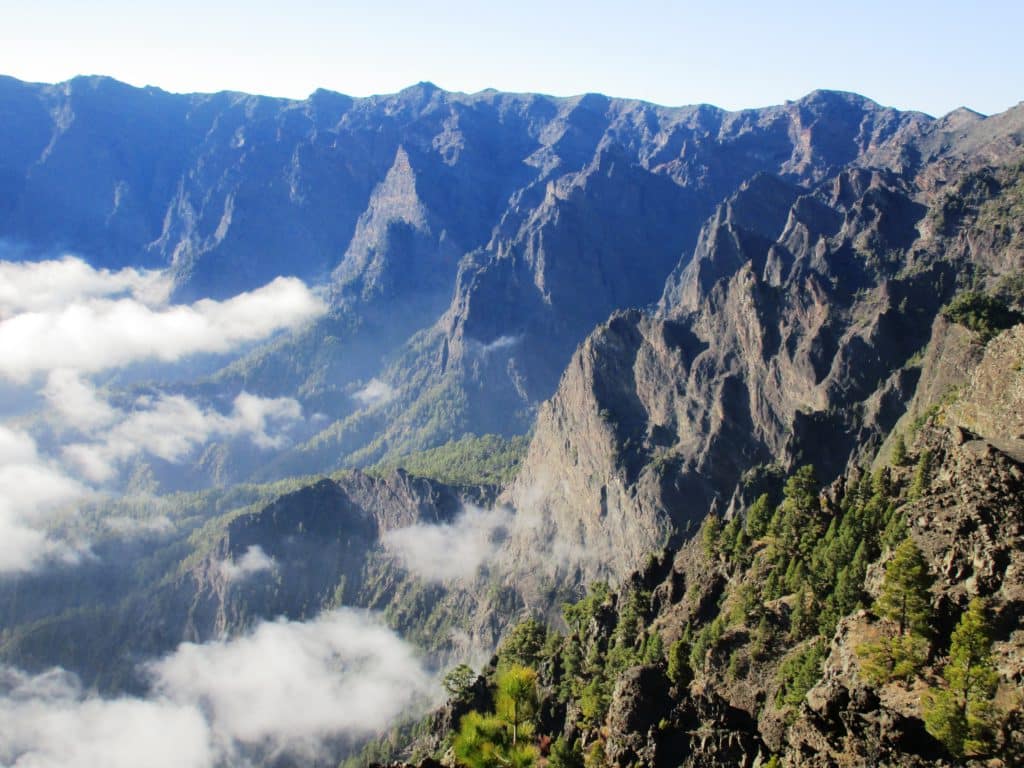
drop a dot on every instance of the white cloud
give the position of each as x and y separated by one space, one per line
451 550
253 561
289 685
77 401
48 285
284 688
128 527
95 334
502 342
376 392
170 427
46 721
31 490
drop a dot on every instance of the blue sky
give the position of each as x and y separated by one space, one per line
933 56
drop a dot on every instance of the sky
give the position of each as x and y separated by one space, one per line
932 56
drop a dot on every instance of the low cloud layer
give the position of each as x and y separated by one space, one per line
452 550
47 721
80 323
253 561
67 320
289 685
34 487
171 427
376 392
50 285
285 688
31 489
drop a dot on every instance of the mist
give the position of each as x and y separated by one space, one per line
83 320
284 688
453 550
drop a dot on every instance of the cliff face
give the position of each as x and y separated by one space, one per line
793 335
969 524
751 663
468 242
325 548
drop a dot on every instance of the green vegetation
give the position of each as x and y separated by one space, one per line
502 738
459 682
905 600
799 672
470 460
984 314
963 715
899 451
565 755
780 579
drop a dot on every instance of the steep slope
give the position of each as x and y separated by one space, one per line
311 549
791 335
468 242
598 229
758 640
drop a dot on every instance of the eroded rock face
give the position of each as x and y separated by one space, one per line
638 704
781 341
323 542
994 406
969 523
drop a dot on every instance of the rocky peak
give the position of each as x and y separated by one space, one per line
399 248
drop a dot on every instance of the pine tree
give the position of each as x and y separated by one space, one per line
922 475
565 755
905 596
524 644
801 621
963 715
761 640
906 600
710 533
893 658
798 526
679 671
758 516
459 681
727 538
654 649
516 701
899 451
483 742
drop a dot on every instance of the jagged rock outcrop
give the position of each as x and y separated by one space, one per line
471 241
324 544
793 334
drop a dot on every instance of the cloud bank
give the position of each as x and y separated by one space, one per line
285 688
452 550
91 332
66 319
33 488
170 427
288 685
50 285
47 721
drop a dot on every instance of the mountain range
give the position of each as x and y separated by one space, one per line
562 334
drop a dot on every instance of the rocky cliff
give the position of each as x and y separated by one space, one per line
794 334
468 242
